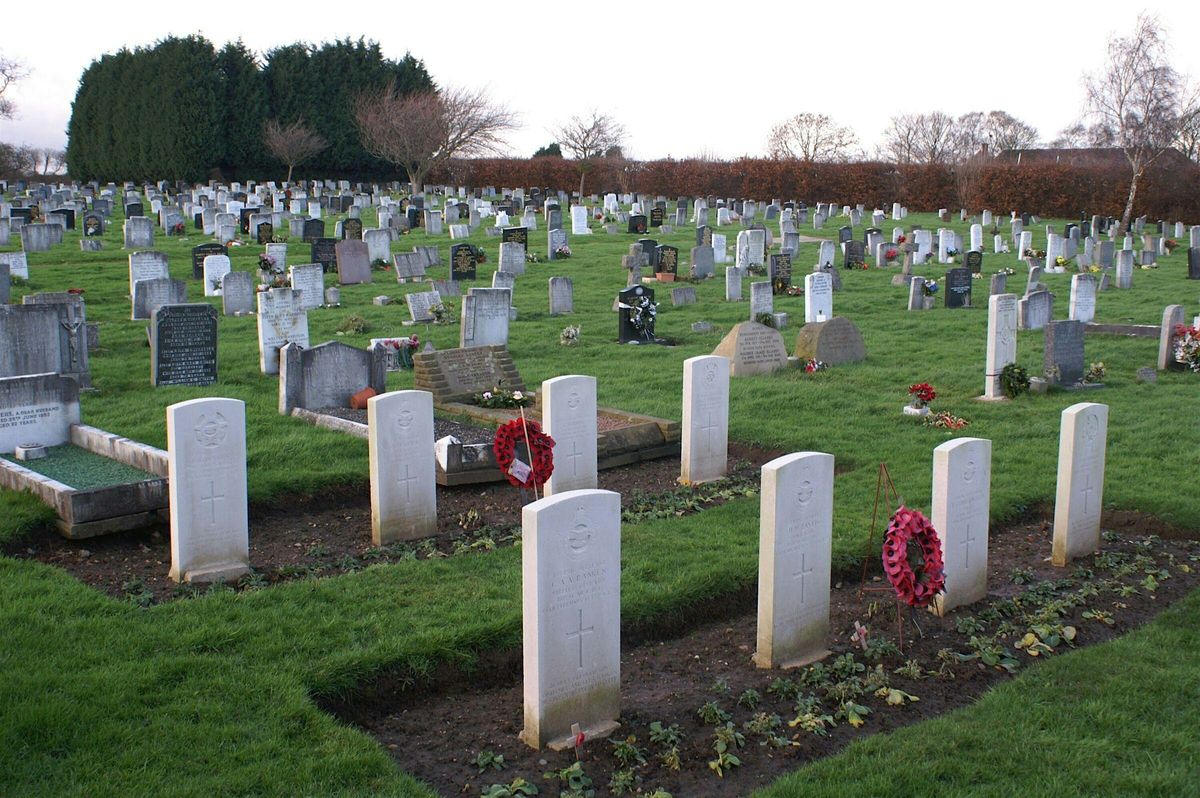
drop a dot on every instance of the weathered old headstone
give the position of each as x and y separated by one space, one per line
281 320
36 408
419 304
569 417
1083 297
795 545
1079 499
403 468
1035 310
215 269
562 296
832 342
456 375
183 345
753 348
353 261
151 294
1171 318
309 280
237 294
1063 351
962 474
328 374
485 317
571 605
148 266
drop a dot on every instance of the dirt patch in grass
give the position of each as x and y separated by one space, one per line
436 731
330 534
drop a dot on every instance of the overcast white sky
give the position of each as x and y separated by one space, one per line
685 78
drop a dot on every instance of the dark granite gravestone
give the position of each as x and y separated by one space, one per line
845 234
635 302
464 261
515 235
414 219
93 225
870 231
244 219
1194 264
198 220
704 236
974 261
553 218
134 209
200 253
352 229
666 259
650 250
780 272
1064 350
264 233
958 288
855 254
657 215
313 229
68 217
637 224
183 345
324 252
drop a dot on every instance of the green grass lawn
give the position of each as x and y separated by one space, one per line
212 696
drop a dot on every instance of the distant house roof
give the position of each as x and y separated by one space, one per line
1081 156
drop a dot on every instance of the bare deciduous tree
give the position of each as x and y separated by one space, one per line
419 132
1003 131
10 72
292 144
920 138
1138 96
810 138
587 138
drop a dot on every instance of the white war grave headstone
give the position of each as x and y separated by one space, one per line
206 467
403 470
1082 444
962 477
795 543
571 617
569 415
1001 341
705 448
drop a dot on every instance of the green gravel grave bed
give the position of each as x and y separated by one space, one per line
82 469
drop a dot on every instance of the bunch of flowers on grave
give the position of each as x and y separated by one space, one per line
931 287
812 366
642 313
795 290
216 284
177 229
1149 266
951 254
765 319
1096 373
404 348
270 273
901 239
1007 270
1053 374
441 314
890 255
1094 268
480 255
1014 380
945 420
379 265
569 335
500 397
1036 254
1169 245
353 325
562 252
532 257
920 395
1187 346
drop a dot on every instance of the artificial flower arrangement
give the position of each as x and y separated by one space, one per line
502 397
1187 346
569 335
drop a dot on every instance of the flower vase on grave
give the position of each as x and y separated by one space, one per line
929 304
915 410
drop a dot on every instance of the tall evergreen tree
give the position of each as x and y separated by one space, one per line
243 110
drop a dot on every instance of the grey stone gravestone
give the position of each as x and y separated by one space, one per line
353 262
237 294
151 294
328 374
1064 350
562 297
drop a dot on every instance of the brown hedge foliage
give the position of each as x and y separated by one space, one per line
1058 190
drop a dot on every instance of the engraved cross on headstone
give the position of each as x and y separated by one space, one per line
1087 491
574 458
407 481
212 498
710 427
579 632
966 544
801 574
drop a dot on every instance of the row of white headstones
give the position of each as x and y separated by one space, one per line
571 539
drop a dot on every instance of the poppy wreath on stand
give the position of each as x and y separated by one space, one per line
541 451
915 589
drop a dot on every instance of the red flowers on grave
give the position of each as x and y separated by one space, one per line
921 394
909 533
541 452
901 239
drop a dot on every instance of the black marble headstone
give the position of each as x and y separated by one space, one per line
200 253
650 250
352 229
637 224
666 259
855 254
629 301
958 288
314 229
183 345
657 215
324 252
1194 264
463 262
973 260
704 236
515 235
780 273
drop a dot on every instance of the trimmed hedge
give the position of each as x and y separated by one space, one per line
1058 190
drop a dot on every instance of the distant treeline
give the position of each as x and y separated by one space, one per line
182 109
1061 190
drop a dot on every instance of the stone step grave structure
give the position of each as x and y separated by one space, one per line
795 544
454 376
206 455
571 617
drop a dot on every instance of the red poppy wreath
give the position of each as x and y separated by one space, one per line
541 451
914 589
